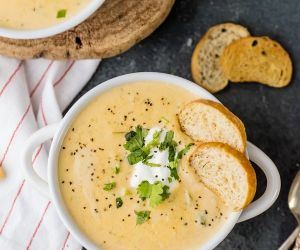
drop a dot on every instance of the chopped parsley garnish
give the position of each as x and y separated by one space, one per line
182 152
144 190
109 186
156 192
164 119
140 151
135 144
116 170
61 13
150 164
174 173
142 216
172 152
136 156
154 143
135 139
119 202
167 141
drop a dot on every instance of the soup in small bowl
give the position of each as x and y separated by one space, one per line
119 172
41 18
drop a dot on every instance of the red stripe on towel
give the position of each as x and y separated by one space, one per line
19 192
14 133
66 240
43 114
64 74
37 153
41 79
38 225
12 206
10 78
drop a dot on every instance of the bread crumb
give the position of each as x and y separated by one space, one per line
2 173
189 42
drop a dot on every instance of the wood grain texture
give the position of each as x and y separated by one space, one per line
113 29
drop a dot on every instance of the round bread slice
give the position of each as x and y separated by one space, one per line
257 59
206 68
208 121
225 171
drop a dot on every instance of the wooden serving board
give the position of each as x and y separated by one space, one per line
113 29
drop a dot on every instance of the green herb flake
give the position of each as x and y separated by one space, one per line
174 160
174 173
203 220
150 164
116 170
167 141
165 120
61 13
136 156
135 139
172 153
109 186
156 192
165 194
119 202
144 190
142 216
173 164
129 135
182 152
153 143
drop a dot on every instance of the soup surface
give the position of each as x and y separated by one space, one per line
94 146
32 14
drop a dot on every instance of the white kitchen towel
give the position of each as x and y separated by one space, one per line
33 94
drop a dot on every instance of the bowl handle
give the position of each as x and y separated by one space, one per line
31 144
273 183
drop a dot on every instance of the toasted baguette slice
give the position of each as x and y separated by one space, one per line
257 59
225 171
206 68
208 121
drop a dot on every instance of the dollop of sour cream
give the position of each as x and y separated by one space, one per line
162 173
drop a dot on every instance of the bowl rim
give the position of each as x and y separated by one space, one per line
53 29
72 114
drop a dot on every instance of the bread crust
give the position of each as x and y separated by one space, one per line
254 59
244 162
197 54
221 108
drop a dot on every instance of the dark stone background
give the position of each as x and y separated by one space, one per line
271 116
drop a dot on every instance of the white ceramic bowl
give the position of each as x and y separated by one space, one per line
57 132
54 29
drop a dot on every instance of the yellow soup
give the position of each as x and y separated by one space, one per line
93 147
32 14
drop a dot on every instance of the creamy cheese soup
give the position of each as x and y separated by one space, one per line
32 14
121 202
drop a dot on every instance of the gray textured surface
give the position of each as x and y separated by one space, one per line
272 116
